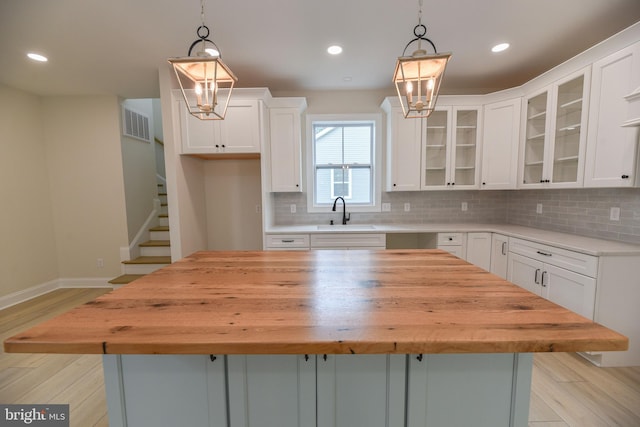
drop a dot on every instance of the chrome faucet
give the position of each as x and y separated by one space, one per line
345 217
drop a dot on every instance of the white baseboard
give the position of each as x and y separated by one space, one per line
44 288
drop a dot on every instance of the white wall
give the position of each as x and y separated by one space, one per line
82 140
139 171
233 191
27 239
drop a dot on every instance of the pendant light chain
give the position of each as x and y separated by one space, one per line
202 11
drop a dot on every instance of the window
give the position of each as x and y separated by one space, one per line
342 155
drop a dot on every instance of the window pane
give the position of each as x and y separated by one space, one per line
361 185
357 144
323 186
328 145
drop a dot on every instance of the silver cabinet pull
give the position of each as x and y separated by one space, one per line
544 282
544 253
287 241
535 279
504 248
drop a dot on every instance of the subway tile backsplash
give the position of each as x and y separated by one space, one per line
584 212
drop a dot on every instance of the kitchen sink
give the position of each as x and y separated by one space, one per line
354 227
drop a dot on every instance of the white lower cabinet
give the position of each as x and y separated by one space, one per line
499 254
561 285
287 242
454 243
479 249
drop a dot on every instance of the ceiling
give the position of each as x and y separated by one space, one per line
116 46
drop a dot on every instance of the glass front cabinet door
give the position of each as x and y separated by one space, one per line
450 149
553 148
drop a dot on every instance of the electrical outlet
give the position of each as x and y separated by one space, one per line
407 207
539 208
386 207
614 214
100 263
465 207
293 208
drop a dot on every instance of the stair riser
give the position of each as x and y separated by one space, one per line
164 210
159 235
142 268
163 221
155 251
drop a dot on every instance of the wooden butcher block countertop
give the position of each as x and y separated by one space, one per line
318 302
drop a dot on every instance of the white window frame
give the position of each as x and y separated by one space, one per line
376 164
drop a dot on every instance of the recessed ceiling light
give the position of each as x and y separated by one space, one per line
500 47
37 57
335 49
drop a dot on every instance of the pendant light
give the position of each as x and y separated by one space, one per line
418 77
205 81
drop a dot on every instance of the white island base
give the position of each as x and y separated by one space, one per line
378 390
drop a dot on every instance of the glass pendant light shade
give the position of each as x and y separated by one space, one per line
206 84
417 79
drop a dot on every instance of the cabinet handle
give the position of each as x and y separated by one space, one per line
287 241
544 282
484 183
544 253
297 185
535 278
504 248
212 357
453 183
625 176
394 185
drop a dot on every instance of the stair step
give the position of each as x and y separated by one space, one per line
149 260
125 279
145 264
162 194
155 243
160 228
163 216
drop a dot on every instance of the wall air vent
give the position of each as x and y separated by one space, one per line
135 125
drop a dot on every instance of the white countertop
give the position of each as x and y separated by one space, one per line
586 245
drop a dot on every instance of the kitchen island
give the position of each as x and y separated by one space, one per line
327 338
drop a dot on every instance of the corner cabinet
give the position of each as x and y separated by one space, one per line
554 140
501 134
612 150
451 149
285 144
238 133
436 153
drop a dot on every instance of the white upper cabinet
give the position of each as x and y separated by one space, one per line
553 144
451 149
285 145
239 132
612 149
500 145
403 149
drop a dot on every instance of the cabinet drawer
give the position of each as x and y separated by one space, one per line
348 240
570 260
284 241
445 239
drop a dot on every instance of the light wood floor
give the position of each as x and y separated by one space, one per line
566 390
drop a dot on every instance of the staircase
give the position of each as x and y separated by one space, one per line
155 253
